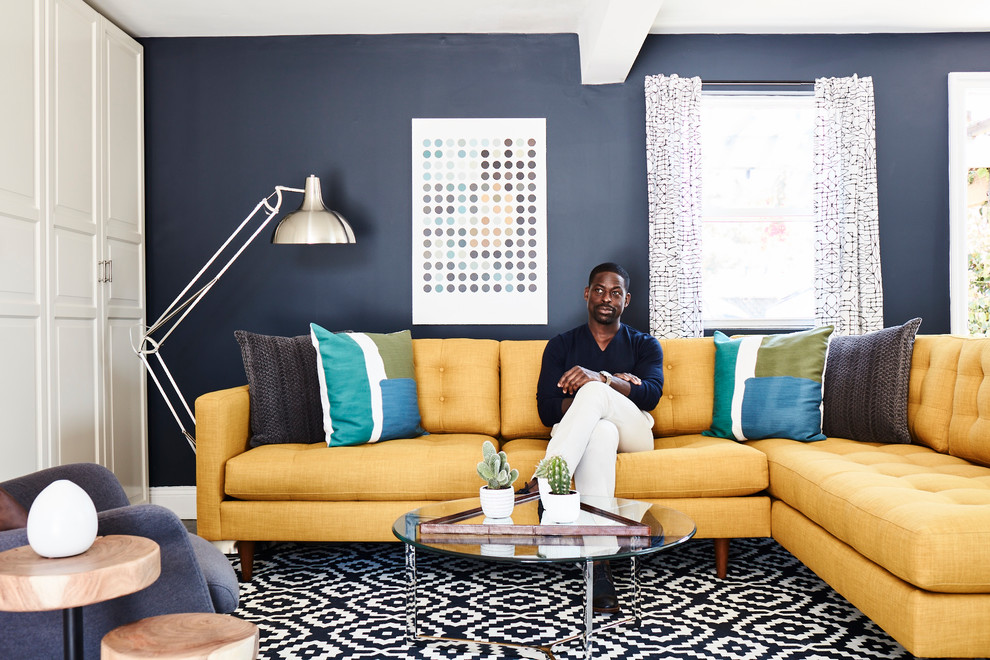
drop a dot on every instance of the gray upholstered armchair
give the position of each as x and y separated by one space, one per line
195 576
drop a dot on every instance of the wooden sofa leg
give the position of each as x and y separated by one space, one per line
721 557
245 550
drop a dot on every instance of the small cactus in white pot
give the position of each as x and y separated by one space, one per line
497 496
560 504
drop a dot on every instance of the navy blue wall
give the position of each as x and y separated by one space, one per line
228 119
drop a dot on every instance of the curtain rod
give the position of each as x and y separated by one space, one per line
783 83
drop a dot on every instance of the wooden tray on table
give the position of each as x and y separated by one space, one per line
453 528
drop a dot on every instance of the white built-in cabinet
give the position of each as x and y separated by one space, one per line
71 242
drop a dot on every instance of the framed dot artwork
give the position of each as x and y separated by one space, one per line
479 230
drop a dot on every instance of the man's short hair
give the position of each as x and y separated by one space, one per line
610 267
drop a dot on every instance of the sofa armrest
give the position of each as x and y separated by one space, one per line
223 428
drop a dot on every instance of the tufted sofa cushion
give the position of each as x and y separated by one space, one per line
923 516
949 396
682 466
520 362
689 387
458 385
430 467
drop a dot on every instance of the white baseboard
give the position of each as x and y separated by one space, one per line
180 499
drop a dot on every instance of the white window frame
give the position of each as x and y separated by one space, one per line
757 324
959 85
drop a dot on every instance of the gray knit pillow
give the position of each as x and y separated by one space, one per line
866 385
284 388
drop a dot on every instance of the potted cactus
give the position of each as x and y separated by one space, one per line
497 496
561 504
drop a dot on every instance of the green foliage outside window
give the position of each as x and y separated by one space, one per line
979 294
978 239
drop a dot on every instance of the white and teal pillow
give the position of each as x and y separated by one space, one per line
770 386
367 386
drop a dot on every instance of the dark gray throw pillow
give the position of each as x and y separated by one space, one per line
284 388
866 385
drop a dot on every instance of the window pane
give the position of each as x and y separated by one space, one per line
752 272
757 223
756 151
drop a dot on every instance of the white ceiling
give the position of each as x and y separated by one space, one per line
610 32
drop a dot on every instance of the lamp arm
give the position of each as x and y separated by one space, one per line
153 336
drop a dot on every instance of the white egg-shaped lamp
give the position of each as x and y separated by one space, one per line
62 520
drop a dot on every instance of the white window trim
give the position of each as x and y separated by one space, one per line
959 85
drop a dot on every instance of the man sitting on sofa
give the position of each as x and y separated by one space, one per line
597 384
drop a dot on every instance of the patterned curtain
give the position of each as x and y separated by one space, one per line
848 285
673 171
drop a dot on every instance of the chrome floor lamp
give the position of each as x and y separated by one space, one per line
312 223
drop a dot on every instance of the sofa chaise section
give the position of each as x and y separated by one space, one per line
903 531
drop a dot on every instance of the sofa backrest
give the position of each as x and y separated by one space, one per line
521 362
688 387
949 395
461 390
457 385
685 407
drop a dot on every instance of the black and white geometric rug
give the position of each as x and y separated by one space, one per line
315 601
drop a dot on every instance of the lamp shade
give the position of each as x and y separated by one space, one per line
313 222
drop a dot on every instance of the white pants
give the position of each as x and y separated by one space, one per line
599 423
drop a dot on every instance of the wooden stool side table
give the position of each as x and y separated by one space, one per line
114 565
194 636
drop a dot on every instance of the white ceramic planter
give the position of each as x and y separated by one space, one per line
561 508
497 503
62 520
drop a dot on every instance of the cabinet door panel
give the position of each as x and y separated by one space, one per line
126 286
21 388
126 419
21 123
74 259
126 383
20 264
76 391
75 99
124 130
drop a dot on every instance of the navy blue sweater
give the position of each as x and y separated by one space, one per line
630 351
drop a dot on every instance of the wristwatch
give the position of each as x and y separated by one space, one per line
607 376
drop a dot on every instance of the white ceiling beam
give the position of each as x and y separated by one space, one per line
610 37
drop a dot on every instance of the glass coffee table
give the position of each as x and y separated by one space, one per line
608 528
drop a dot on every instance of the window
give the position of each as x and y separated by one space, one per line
969 191
758 250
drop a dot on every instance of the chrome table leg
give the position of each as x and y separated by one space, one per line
589 596
634 569
411 628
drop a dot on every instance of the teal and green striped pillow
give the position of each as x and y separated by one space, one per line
367 386
770 386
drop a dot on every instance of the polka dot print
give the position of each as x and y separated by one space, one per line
479 210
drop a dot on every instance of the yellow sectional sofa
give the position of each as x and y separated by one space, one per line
901 531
